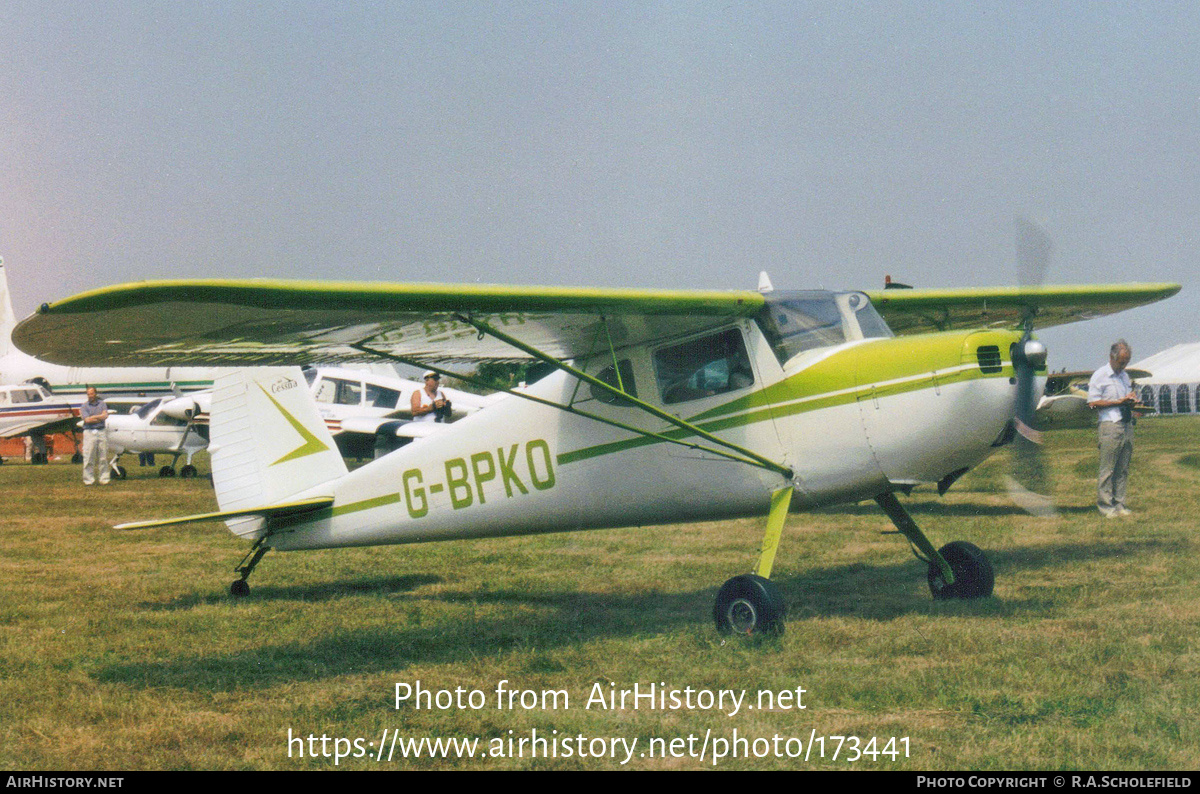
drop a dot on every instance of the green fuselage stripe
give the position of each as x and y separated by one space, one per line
795 405
367 504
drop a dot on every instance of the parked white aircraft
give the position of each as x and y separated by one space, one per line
58 389
1064 404
28 409
667 406
154 429
369 415
115 384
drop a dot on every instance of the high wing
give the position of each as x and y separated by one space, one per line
267 322
273 322
923 310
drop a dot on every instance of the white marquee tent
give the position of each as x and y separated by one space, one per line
1174 383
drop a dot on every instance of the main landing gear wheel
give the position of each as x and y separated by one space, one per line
749 604
166 471
187 471
240 588
119 472
973 574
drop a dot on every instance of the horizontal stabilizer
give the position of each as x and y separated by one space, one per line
270 511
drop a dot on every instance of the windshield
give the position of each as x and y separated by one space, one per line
799 321
145 410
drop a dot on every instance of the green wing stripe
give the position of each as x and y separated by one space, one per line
380 296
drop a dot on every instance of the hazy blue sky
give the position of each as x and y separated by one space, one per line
657 144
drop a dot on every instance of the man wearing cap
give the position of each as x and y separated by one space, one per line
429 403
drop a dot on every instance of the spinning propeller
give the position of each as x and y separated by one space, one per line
1029 481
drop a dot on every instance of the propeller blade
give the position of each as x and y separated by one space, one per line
1029 484
1034 249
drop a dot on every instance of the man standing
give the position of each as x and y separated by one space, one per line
1111 393
94 413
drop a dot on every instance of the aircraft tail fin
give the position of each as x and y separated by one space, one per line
268 443
8 318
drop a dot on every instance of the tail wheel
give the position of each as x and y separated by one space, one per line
973 574
749 604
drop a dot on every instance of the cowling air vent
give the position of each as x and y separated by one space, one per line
989 359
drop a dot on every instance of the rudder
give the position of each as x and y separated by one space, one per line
268 442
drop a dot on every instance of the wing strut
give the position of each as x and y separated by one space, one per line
742 455
484 328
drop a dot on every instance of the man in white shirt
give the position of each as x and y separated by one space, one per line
428 402
1111 393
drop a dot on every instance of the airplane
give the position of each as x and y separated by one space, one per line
1064 402
28 409
124 389
156 428
368 415
664 406
70 383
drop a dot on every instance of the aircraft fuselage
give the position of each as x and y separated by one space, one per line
851 421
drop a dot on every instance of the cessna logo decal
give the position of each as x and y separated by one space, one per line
311 446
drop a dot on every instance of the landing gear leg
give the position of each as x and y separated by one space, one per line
956 570
241 587
750 603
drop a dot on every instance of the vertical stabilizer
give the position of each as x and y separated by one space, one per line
268 442
8 319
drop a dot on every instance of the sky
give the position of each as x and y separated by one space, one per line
642 144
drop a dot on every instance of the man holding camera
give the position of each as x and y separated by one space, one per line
430 404
1111 393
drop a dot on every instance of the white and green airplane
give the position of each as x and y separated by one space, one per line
664 406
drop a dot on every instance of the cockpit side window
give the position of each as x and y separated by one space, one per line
379 397
621 377
341 392
703 367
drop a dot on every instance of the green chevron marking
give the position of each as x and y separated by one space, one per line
311 446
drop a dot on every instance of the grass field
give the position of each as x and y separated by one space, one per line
123 651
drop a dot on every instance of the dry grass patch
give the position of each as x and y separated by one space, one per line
123 651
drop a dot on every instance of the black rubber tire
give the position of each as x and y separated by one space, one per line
749 604
973 574
240 588
188 471
166 471
119 472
